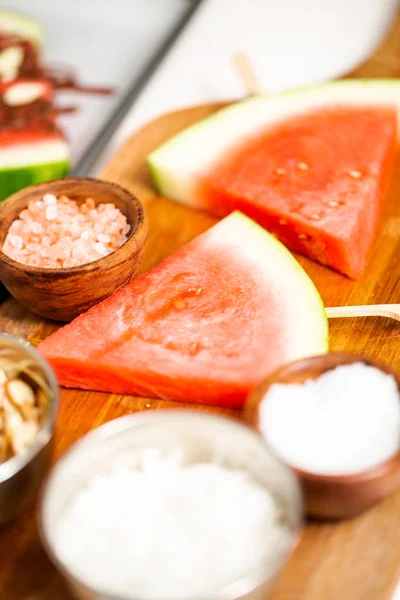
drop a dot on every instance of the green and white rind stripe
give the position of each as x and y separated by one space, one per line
21 25
33 153
176 164
12 180
25 164
303 312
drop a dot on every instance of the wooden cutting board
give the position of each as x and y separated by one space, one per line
353 560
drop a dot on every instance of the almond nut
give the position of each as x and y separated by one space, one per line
19 393
10 62
23 93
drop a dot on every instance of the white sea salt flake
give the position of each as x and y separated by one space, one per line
344 422
168 530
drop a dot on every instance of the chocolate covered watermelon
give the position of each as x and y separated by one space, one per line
32 146
311 166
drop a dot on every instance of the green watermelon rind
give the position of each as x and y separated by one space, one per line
175 165
14 179
23 26
268 256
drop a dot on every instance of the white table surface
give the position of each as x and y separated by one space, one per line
290 42
107 43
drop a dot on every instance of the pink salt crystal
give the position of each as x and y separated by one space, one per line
51 213
36 227
69 262
102 237
16 241
100 248
49 199
34 261
53 233
25 215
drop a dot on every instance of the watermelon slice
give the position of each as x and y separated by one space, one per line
311 166
21 26
32 147
206 325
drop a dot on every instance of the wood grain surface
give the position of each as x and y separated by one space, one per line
357 559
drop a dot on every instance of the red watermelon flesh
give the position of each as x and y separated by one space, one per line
206 325
317 181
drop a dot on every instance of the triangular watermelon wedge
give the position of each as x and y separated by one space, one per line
206 325
311 166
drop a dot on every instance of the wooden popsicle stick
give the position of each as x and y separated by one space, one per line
391 311
247 74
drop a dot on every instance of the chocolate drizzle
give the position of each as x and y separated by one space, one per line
62 79
40 114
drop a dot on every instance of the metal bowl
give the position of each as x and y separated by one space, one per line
201 437
21 476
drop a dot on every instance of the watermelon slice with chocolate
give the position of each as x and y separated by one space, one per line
206 325
311 166
32 147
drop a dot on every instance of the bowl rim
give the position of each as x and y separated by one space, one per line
130 421
15 464
370 474
94 264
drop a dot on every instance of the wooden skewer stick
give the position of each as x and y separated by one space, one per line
247 74
391 311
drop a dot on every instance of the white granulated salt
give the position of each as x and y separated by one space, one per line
169 530
344 422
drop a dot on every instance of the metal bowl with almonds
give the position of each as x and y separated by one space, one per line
28 408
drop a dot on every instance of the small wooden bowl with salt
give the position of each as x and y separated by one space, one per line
63 293
332 496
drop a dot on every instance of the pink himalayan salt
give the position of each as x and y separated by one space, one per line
55 232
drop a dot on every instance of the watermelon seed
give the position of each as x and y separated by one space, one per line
315 217
148 405
354 174
302 166
280 171
302 236
333 203
282 222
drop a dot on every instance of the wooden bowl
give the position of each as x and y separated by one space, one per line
62 294
332 496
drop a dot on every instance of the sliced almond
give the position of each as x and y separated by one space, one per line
42 403
23 435
19 393
23 93
10 62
